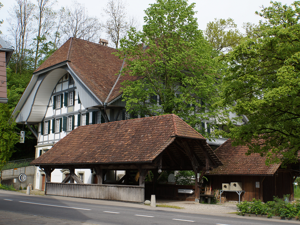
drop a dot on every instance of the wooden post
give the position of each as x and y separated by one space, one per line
142 177
155 176
126 177
262 189
197 189
72 172
99 174
48 172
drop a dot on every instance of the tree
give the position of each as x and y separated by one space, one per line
8 136
172 65
223 34
263 83
46 21
21 21
79 25
1 21
117 25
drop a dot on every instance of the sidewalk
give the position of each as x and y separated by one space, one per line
226 209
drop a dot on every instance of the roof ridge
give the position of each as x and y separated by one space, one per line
174 123
115 81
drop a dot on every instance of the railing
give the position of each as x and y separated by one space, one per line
127 193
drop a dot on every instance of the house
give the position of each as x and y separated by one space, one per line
6 51
250 174
136 146
76 86
80 84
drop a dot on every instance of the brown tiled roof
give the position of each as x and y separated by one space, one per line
93 63
127 141
236 162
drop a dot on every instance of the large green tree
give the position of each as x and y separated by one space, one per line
223 34
263 83
8 134
172 65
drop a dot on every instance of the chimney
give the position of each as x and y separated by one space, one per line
103 42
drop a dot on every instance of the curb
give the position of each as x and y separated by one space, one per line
265 216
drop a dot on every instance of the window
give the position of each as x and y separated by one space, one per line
94 117
71 80
71 98
83 119
70 123
57 125
47 127
57 102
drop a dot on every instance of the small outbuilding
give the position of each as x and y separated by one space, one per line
250 176
136 146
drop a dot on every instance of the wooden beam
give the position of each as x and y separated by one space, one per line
67 178
196 165
208 160
72 171
76 178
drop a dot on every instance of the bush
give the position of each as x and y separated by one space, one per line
5 187
278 207
244 207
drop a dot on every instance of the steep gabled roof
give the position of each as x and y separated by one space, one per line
94 64
127 141
236 162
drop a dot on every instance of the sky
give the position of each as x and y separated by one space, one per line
240 10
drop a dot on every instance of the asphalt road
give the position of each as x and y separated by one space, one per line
82 211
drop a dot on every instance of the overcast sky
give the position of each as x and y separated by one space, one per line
239 10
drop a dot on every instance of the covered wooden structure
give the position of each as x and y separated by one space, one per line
146 144
258 180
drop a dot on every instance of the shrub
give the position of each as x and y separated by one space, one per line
258 208
278 207
244 207
5 187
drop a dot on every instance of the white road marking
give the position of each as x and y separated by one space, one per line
190 221
59 206
143 215
111 212
8 200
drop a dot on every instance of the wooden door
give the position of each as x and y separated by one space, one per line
43 182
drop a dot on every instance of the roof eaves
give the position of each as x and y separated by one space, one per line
115 99
180 136
51 68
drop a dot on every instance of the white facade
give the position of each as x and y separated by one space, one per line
65 112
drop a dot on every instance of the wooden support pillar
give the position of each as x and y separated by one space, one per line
72 172
48 172
127 177
155 176
142 177
197 188
262 189
99 175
